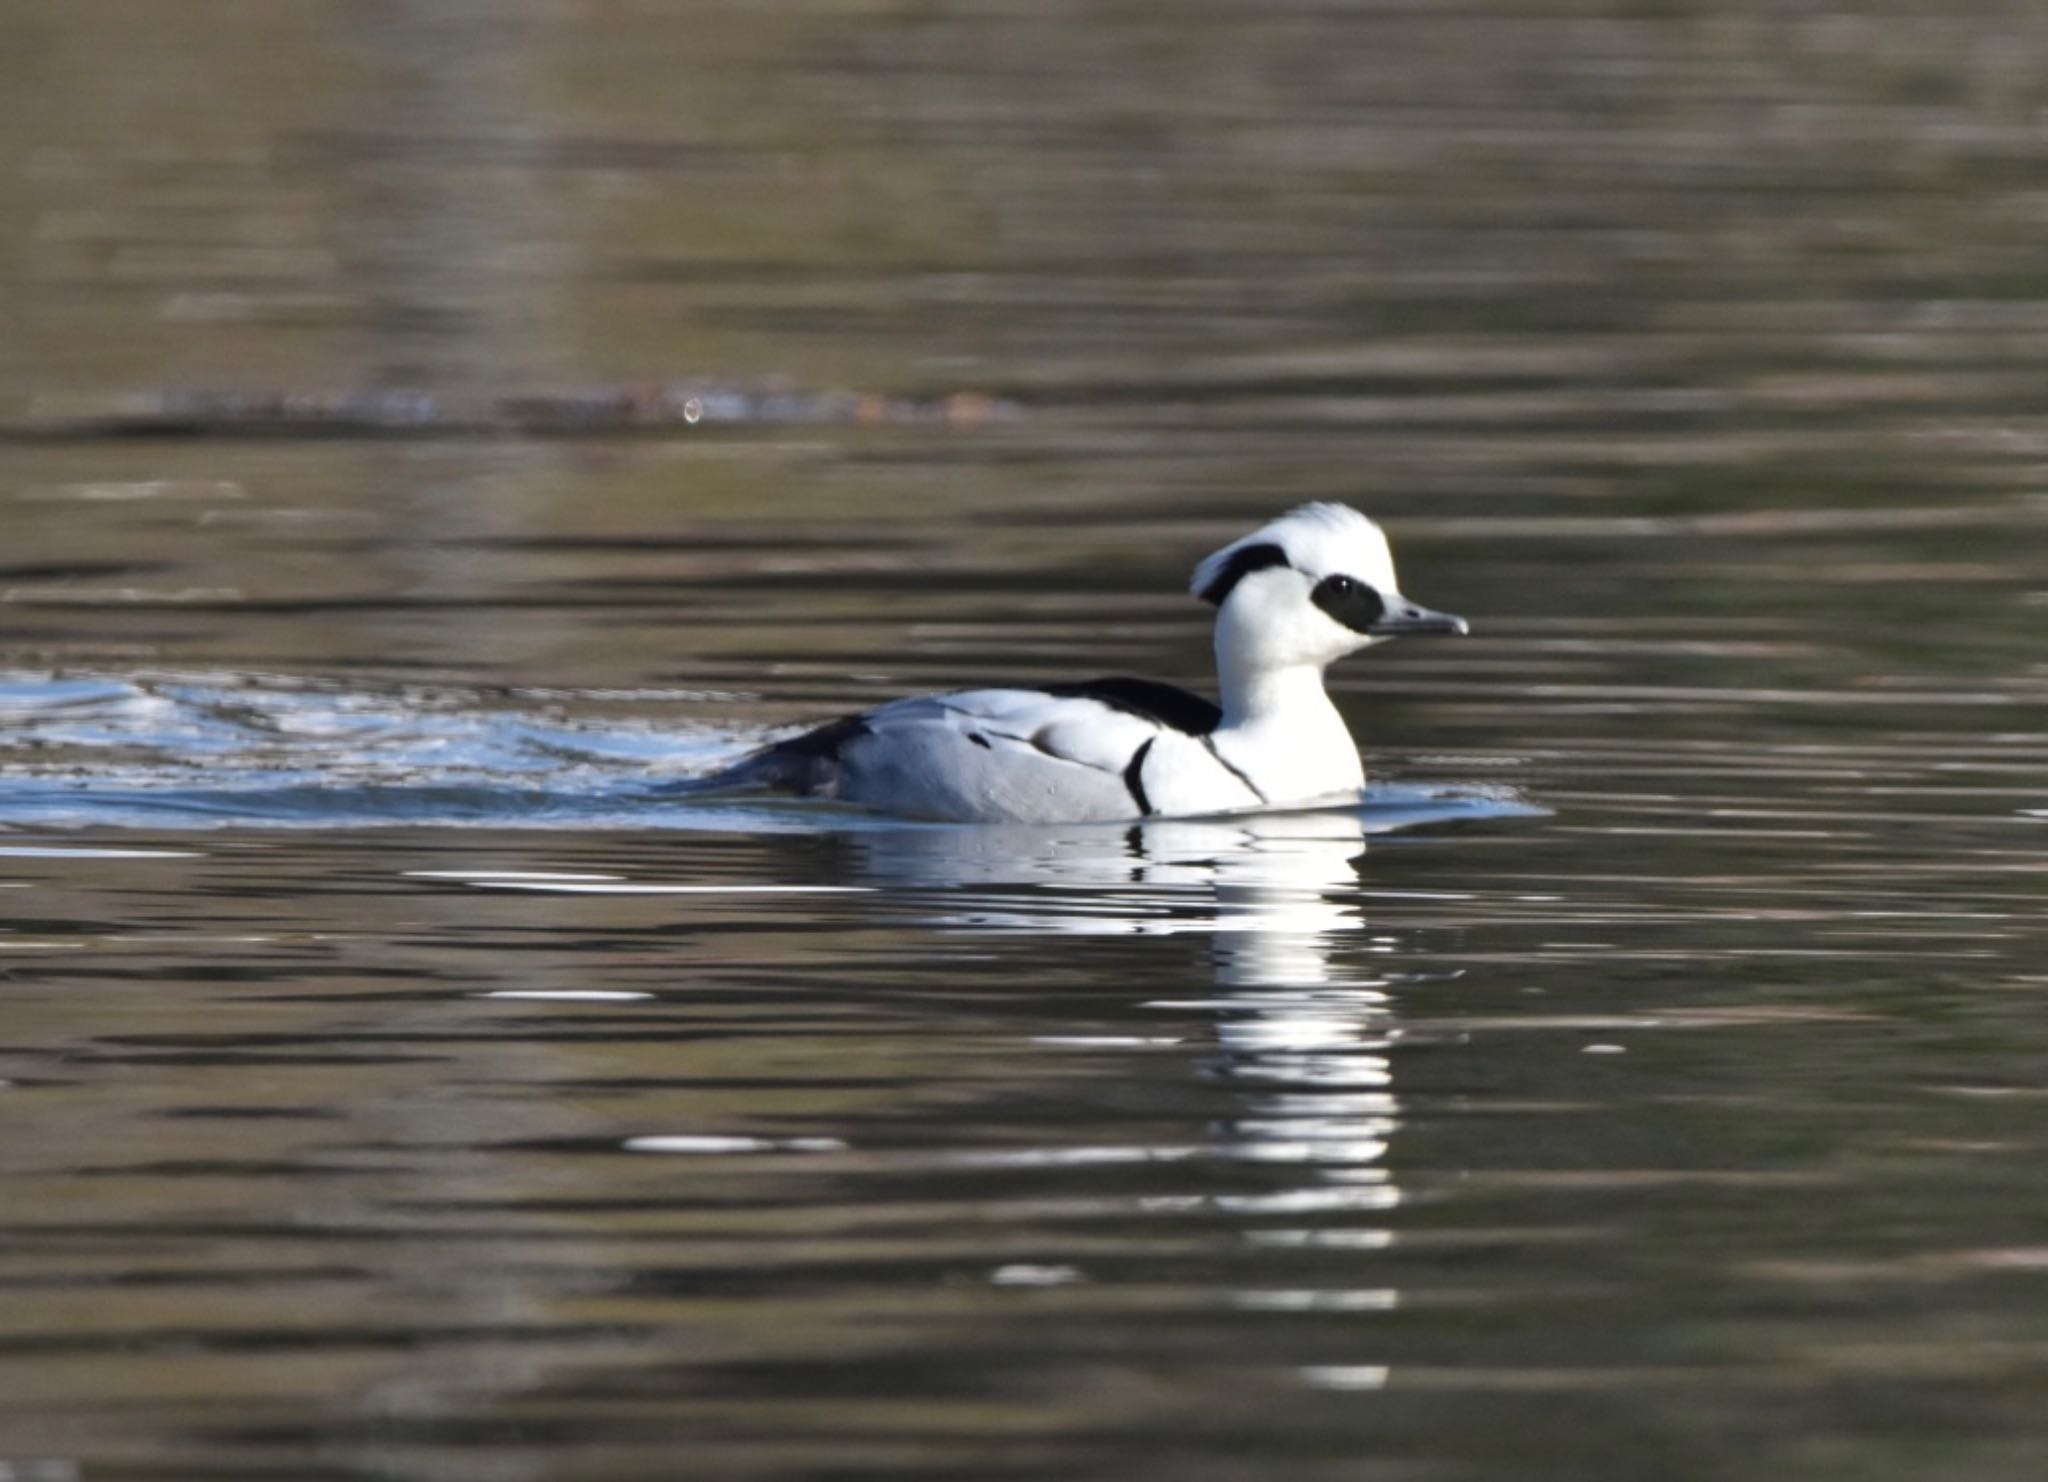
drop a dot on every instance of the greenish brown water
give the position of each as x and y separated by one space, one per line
393 1090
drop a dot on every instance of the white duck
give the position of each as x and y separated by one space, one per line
1291 598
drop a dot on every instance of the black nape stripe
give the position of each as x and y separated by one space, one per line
1242 563
1134 776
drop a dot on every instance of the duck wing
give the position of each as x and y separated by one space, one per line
1097 750
1008 755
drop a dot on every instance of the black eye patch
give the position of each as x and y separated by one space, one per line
1242 563
1350 601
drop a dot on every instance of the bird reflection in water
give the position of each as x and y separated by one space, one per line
1301 1025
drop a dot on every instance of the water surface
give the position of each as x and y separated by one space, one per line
1646 1081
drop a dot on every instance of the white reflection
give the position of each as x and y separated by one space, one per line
714 1145
1301 1016
1266 874
1347 1376
1025 1275
1378 1299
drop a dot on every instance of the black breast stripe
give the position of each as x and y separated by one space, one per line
1210 742
1134 777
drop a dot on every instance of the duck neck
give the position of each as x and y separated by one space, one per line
1279 727
1262 695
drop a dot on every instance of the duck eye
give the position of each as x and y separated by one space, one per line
1350 601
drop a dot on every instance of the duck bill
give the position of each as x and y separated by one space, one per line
1403 618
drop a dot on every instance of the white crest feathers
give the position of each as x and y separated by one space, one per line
1318 539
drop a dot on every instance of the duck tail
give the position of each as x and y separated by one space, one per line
761 772
806 765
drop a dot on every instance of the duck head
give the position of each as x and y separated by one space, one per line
1307 589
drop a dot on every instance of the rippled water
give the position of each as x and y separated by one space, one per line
1646 1081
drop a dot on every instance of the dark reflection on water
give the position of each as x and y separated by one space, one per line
1688 1128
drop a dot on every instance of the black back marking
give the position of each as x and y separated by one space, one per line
1134 777
827 741
1350 601
980 740
1242 563
1164 704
